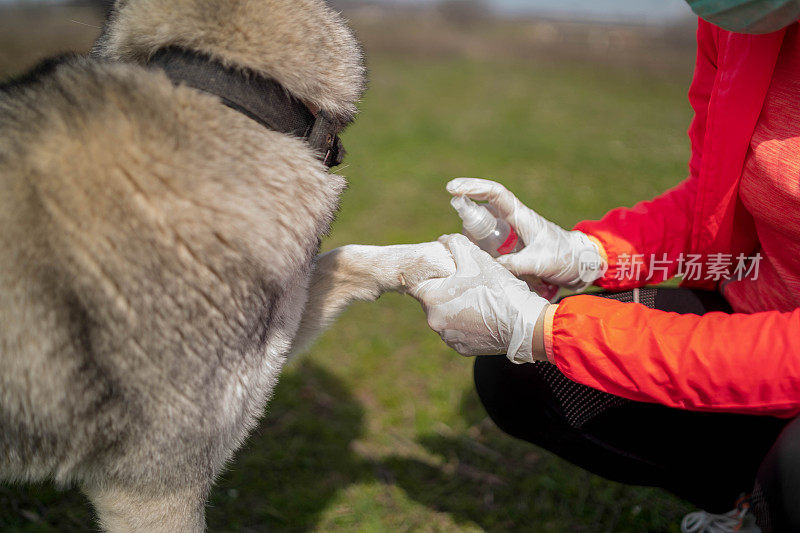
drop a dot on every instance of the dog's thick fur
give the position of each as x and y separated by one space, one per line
157 253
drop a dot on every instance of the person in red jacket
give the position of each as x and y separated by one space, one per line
697 389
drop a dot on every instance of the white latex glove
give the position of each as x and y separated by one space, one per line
482 309
564 258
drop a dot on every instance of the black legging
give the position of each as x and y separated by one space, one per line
709 459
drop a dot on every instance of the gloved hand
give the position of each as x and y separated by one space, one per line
482 309
564 258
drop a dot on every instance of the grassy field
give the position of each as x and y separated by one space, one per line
378 428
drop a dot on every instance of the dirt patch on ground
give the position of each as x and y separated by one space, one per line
28 34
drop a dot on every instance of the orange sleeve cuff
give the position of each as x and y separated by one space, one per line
549 316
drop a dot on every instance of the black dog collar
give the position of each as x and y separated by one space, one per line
262 99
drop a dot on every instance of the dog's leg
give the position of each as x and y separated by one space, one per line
363 273
134 510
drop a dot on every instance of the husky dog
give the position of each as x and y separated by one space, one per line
158 250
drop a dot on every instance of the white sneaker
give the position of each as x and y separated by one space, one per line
736 521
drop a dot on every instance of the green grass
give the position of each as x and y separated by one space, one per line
378 428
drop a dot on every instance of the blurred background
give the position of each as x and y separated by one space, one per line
576 105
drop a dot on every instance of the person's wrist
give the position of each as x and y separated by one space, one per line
523 345
539 350
600 248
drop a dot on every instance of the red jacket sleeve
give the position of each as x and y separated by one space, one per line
737 363
661 228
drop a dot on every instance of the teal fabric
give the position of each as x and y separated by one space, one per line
748 16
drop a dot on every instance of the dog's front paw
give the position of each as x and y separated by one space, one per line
421 262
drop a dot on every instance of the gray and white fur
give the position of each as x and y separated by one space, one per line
158 253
